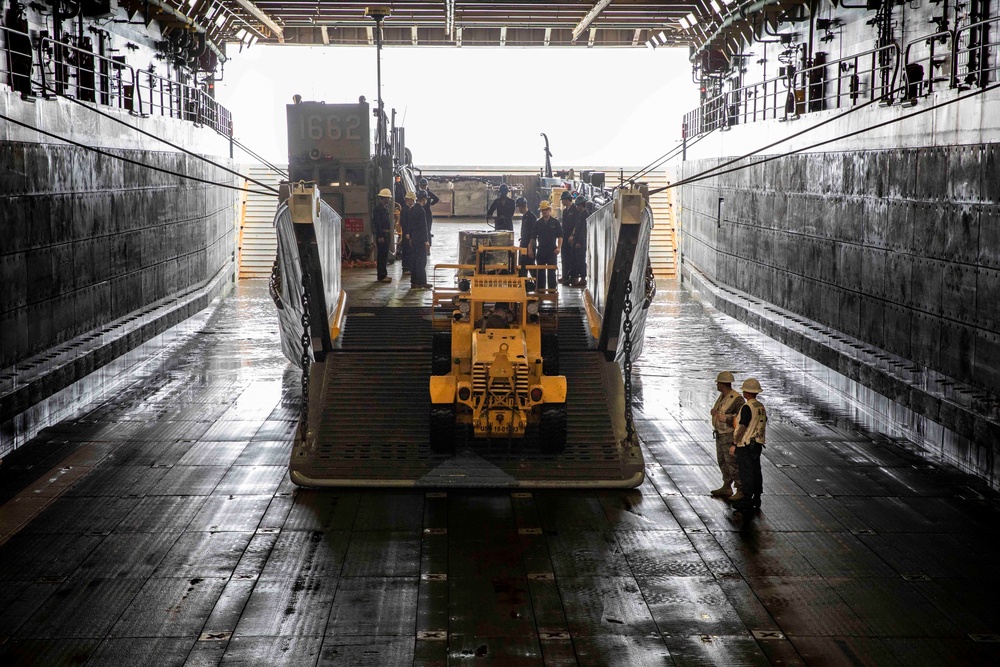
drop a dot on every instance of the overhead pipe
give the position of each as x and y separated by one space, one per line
747 8
183 18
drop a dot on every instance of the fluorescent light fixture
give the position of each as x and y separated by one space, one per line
692 19
716 6
684 23
650 44
663 37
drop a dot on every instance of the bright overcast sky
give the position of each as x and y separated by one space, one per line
478 106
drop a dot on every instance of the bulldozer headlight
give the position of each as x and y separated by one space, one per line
464 393
464 307
533 307
464 285
536 394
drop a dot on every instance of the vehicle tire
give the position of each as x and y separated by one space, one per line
441 354
442 437
550 354
552 428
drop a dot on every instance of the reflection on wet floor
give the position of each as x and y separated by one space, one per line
161 528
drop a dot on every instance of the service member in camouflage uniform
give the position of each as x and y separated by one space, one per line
726 407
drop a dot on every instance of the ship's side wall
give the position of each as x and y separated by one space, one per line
888 234
90 238
94 245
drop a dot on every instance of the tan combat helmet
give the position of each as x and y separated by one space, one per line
725 377
751 386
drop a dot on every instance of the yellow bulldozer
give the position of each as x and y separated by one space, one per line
496 373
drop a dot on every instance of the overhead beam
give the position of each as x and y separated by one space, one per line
449 17
594 12
263 18
326 35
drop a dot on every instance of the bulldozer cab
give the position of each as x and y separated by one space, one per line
497 260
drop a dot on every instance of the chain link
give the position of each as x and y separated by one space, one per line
274 285
627 365
306 356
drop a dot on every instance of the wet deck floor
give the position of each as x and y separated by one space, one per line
160 528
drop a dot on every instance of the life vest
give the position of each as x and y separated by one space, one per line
721 407
758 424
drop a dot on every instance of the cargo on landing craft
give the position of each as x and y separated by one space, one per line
496 372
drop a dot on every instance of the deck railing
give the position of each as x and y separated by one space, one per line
961 58
52 68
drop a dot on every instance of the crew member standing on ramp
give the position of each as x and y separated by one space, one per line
528 221
748 443
578 239
568 224
382 230
726 407
420 240
547 241
431 200
504 208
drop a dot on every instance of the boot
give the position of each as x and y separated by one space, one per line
736 497
723 491
744 506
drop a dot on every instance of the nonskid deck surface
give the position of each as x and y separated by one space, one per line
161 528
375 427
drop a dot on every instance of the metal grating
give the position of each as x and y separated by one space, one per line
375 418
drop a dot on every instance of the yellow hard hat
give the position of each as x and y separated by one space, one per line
751 386
410 196
725 376
384 192
544 206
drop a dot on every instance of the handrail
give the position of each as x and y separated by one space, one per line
808 89
978 57
94 74
179 100
14 78
59 69
918 86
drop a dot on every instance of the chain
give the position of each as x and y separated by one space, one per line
274 285
627 365
306 356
